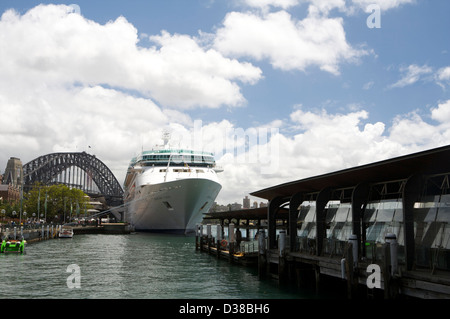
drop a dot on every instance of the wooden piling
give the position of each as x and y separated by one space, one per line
317 278
351 271
262 257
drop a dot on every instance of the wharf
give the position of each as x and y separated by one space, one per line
249 258
46 232
378 230
104 228
362 279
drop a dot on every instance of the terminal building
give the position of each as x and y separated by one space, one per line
393 214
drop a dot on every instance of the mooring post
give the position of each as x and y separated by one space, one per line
353 239
350 269
218 239
281 256
197 237
201 236
208 237
231 234
391 239
232 238
390 266
208 231
262 266
317 278
386 271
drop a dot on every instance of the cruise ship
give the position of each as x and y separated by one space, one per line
169 190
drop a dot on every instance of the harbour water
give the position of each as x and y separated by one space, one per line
134 266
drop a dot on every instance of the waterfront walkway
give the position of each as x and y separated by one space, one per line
33 233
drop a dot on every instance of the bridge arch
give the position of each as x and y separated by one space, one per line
79 170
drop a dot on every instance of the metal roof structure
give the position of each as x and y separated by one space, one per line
434 161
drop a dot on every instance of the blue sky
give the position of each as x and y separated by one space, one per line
338 93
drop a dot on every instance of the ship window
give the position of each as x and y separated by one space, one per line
197 159
162 170
180 170
169 207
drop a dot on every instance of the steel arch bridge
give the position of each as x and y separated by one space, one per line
79 170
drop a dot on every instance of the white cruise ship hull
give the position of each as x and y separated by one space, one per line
175 206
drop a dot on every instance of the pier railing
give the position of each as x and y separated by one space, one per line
30 232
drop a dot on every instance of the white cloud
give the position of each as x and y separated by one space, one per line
414 73
325 142
53 45
287 43
368 85
201 77
68 82
443 76
442 113
411 75
325 6
412 129
266 4
113 123
383 4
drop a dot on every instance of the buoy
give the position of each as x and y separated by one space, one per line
223 243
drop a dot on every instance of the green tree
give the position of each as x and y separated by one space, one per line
9 208
55 202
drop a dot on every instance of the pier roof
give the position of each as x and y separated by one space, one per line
434 161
